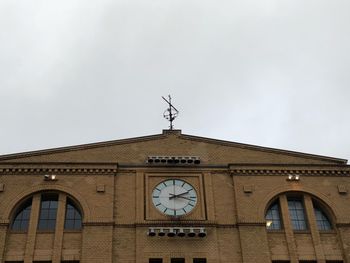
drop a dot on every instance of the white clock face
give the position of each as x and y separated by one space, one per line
174 197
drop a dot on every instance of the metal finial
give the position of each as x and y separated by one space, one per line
170 113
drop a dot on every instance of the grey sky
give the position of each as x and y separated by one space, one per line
266 72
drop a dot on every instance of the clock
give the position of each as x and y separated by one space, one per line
174 197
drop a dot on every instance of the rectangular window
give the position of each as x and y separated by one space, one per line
199 260
177 260
48 212
155 260
280 261
297 214
70 261
307 261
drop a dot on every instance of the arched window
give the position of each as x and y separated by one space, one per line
48 206
22 216
48 212
297 213
273 218
322 220
73 216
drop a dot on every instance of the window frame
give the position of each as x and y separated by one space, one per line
317 205
70 201
299 199
48 197
276 202
22 206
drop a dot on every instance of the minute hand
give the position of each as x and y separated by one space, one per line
178 195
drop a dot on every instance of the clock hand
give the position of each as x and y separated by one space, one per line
185 198
178 195
183 193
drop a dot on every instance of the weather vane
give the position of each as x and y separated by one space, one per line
170 113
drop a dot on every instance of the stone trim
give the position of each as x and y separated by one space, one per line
251 224
98 223
177 224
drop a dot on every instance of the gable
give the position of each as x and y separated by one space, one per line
171 143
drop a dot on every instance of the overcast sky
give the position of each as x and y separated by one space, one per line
266 72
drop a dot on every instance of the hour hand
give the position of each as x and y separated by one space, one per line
172 196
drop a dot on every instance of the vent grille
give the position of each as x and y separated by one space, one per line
184 160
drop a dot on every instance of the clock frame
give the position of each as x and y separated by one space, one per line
194 179
174 197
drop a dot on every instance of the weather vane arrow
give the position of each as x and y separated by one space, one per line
170 113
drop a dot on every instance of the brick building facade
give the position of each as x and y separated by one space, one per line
173 198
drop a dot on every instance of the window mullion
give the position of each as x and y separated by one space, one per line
61 210
289 233
316 239
33 223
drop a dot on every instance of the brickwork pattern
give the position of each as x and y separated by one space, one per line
232 204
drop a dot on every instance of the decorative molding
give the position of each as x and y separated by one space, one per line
58 168
251 223
285 172
100 188
174 224
4 222
98 223
248 189
342 189
343 224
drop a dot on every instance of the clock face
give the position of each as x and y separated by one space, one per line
174 197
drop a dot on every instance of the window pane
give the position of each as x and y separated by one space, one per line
199 260
177 260
70 213
155 260
321 219
48 212
44 214
297 214
73 217
21 220
273 219
51 224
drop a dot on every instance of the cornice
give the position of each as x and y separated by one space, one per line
58 168
309 171
264 149
80 147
